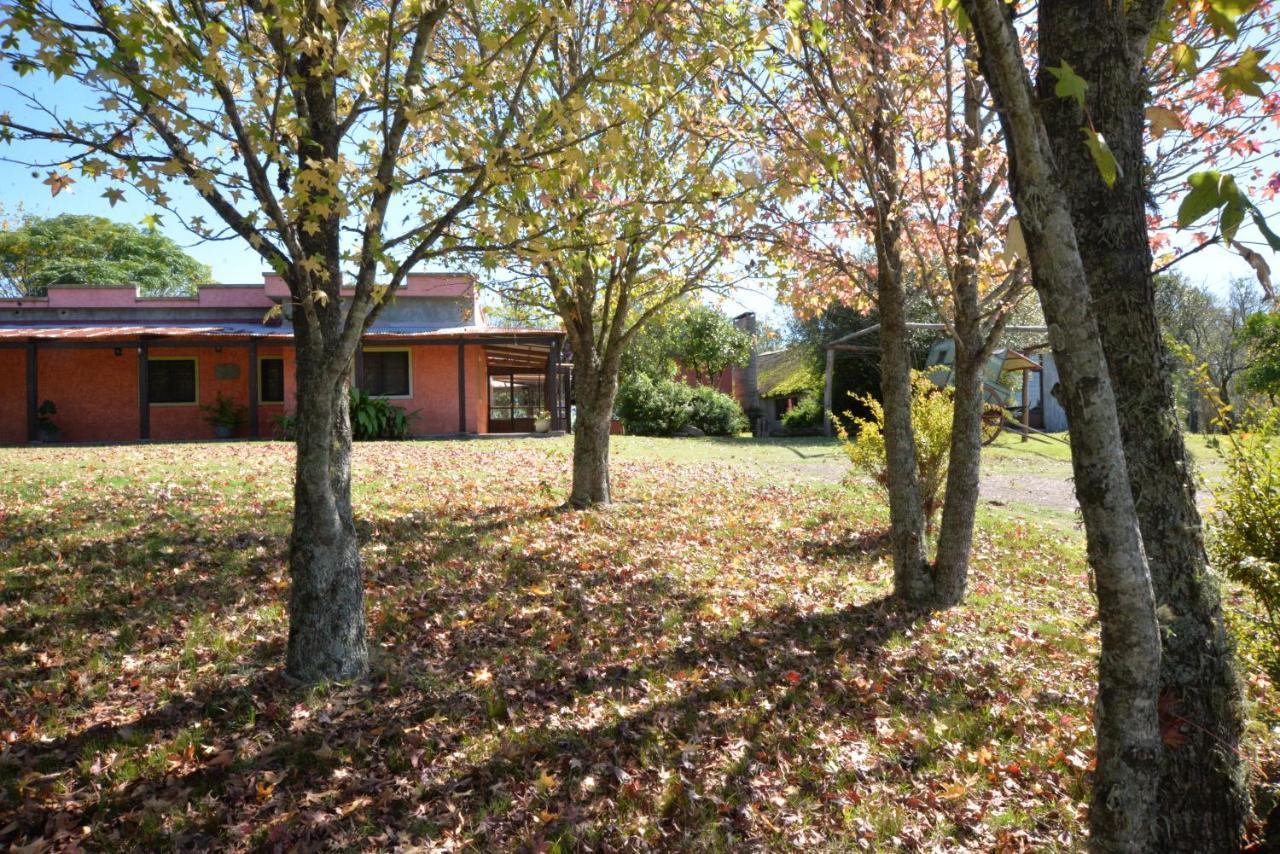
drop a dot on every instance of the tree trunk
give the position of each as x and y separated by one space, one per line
327 636
911 580
1203 802
594 391
960 504
959 509
1122 810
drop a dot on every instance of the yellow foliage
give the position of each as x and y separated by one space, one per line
931 412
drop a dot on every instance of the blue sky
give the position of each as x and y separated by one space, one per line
22 190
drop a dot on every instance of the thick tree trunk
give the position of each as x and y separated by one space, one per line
1122 811
1203 801
327 636
955 536
594 391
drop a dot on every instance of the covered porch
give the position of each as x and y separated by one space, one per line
523 379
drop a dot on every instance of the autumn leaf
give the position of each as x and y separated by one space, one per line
1161 120
57 182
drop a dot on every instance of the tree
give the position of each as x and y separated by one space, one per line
340 141
1099 53
885 139
632 215
840 83
1123 808
92 250
1213 332
1261 334
692 335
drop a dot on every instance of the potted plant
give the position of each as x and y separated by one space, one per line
46 430
224 416
542 422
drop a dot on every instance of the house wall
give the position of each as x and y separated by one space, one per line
13 396
1055 417
269 412
186 421
95 390
433 404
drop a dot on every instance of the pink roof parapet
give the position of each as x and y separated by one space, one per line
415 285
90 296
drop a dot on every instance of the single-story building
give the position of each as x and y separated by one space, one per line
785 377
122 367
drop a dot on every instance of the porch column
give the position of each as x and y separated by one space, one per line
826 392
144 406
550 386
33 422
462 387
253 388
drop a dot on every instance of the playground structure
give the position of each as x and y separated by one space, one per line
998 408
999 411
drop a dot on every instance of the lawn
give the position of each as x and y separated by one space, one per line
709 664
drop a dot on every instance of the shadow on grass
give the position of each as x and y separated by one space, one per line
523 693
551 781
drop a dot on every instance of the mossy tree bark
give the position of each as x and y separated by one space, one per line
1203 802
1123 808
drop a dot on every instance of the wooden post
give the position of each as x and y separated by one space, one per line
253 389
551 384
462 387
1026 402
827 428
144 404
33 395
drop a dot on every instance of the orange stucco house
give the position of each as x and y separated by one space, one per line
120 367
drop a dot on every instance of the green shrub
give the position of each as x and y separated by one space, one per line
285 427
665 407
1244 531
376 418
931 411
714 412
805 415
371 418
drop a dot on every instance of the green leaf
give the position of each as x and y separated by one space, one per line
1273 240
1209 191
1232 216
956 9
1223 14
1070 84
1244 76
1185 58
1103 157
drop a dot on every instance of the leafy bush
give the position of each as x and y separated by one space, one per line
376 418
714 412
931 411
664 408
805 415
1244 531
285 427
371 418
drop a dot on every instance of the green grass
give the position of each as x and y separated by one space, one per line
708 664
